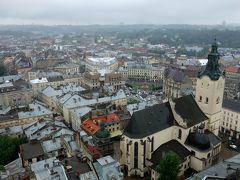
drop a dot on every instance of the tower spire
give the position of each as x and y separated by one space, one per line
214 46
212 69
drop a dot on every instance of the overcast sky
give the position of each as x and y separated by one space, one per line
86 12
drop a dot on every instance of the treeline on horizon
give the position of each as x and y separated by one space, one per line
173 35
178 37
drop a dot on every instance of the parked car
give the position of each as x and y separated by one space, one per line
233 146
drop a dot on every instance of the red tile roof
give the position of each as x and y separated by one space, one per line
94 151
91 126
21 70
105 119
232 69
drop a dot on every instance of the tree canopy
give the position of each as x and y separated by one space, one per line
3 70
9 147
169 166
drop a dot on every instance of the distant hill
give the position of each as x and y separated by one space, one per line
228 36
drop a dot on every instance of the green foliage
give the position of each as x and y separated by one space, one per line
2 168
3 70
202 53
186 52
191 36
157 51
135 87
133 101
128 85
9 147
168 167
156 87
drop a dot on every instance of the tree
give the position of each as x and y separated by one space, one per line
2 168
9 147
3 70
169 166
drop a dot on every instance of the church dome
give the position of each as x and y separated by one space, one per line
199 140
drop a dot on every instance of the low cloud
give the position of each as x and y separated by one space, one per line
119 11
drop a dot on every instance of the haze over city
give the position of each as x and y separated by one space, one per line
90 12
119 89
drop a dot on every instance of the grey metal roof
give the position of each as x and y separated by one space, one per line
231 105
222 169
31 150
150 120
49 169
189 111
198 140
176 75
215 140
170 146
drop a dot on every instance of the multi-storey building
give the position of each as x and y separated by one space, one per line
24 115
176 84
232 84
69 102
48 169
143 72
108 168
101 73
104 130
230 123
14 94
67 69
95 64
55 81
41 83
50 94
96 81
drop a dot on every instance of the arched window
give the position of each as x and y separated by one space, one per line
218 100
179 134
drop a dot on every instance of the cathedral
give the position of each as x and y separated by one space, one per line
187 126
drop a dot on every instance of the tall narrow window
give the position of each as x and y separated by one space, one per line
206 100
144 154
152 144
200 98
136 155
179 134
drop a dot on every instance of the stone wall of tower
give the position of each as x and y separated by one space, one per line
209 96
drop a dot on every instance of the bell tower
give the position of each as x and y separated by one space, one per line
210 89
